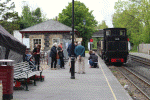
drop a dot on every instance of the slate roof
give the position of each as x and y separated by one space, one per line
99 33
48 26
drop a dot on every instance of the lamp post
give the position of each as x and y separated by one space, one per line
73 46
84 22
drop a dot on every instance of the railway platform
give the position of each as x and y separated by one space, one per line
142 55
95 84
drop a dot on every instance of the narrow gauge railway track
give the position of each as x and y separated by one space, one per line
142 85
140 59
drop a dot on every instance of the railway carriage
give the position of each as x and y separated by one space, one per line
114 46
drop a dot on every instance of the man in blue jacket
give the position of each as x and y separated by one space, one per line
79 51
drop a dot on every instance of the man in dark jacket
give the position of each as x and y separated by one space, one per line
53 54
69 50
93 60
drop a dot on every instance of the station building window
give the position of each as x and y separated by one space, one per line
36 41
56 40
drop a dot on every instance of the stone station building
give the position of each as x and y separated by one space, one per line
47 33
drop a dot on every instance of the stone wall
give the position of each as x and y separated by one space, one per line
54 36
144 48
47 39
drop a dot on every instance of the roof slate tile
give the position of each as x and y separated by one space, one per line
49 25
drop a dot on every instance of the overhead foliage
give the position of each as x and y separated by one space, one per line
102 25
30 18
135 16
81 12
8 17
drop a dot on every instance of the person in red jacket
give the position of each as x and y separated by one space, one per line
36 54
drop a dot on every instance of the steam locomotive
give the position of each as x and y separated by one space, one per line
114 46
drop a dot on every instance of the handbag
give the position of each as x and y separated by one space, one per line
57 56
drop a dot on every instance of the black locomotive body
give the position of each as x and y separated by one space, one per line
114 46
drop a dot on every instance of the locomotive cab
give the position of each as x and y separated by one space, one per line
114 47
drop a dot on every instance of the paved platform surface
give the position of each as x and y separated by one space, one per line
96 84
143 55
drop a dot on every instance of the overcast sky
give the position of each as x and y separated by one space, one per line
102 9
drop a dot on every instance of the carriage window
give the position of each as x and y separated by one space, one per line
108 32
122 32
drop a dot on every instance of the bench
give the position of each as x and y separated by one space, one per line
23 71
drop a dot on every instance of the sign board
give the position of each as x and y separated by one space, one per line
129 46
91 40
79 39
26 42
89 45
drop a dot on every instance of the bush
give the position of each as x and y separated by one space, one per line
134 49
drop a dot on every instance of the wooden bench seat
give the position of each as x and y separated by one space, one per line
23 71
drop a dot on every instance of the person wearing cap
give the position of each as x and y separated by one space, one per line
53 54
79 51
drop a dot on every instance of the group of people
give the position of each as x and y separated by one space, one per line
34 54
54 54
79 52
57 51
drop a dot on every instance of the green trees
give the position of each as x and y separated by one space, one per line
30 18
135 16
102 25
11 21
8 17
81 12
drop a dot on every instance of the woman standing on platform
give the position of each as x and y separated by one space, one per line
53 54
61 56
36 54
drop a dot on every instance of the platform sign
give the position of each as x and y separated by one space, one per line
129 46
91 40
89 45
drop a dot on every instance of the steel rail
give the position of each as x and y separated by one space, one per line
134 83
137 75
140 59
